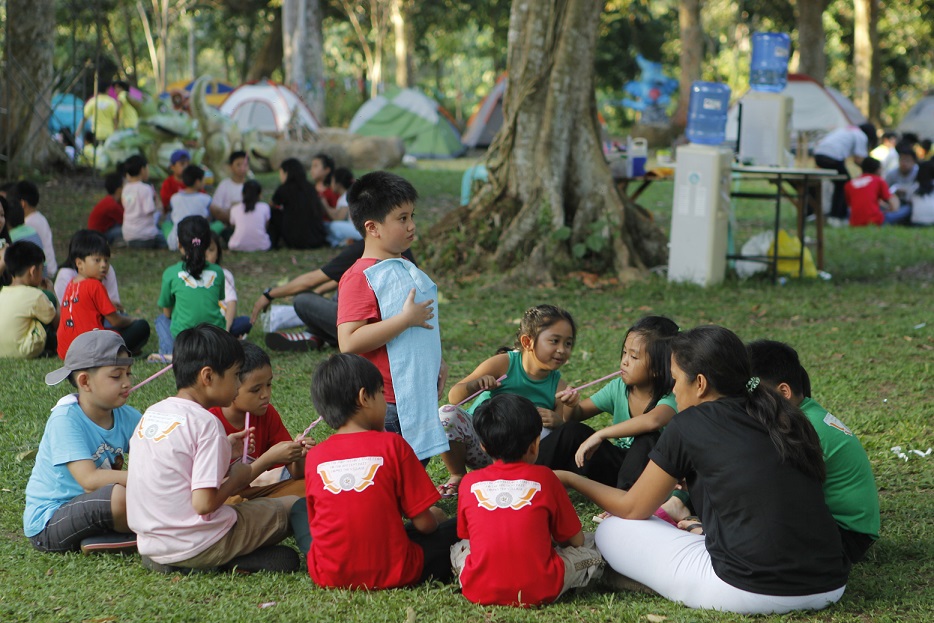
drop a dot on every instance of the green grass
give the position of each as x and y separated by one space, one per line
866 336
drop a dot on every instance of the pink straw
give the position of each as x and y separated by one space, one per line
600 380
246 438
151 378
477 393
308 430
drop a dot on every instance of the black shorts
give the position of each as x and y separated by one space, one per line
89 514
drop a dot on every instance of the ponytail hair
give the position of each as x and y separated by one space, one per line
721 357
251 193
655 332
194 238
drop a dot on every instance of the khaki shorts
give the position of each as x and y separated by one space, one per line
260 523
582 565
276 490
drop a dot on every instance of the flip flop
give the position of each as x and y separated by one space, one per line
696 524
448 489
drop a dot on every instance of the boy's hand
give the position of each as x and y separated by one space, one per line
236 441
550 419
417 314
286 452
485 382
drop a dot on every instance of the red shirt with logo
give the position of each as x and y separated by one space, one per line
268 430
863 195
84 305
510 512
107 213
356 486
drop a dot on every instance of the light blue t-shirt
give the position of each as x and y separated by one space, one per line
71 436
184 205
612 398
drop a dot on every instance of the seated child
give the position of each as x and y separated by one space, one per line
868 196
86 304
76 494
182 474
239 326
357 483
230 190
178 161
139 207
272 445
341 228
27 316
189 201
250 217
850 488
510 513
28 195
82 244
107 215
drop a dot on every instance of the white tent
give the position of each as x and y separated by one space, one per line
268 107
920 119
815 108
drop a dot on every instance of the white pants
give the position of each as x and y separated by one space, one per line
675 564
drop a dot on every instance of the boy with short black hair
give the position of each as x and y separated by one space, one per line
510 512
357 482
869 198
28 317
230 189
107 215
384 302
76 495
28 194
189 201
139 207
182 474
850 488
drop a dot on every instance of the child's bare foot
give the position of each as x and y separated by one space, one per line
604 515
676 509
449 489
691 524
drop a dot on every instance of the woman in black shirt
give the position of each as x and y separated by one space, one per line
297 219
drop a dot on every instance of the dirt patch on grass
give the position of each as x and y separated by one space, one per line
919 273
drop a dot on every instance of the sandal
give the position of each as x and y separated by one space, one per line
448 489
695 524
159 358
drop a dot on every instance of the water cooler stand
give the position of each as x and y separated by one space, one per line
699 215
765 129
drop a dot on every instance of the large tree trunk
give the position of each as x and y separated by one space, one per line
550 204
401 35
692 55
303 53
27 99
269 58
811 59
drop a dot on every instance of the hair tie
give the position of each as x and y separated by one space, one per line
196 242
752 384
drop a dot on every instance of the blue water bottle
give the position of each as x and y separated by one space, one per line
707 110
768 70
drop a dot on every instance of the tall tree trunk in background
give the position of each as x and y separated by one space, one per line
303 53
811 39
550 204
269 58
29 71
692 55
401 35
875 74
192 48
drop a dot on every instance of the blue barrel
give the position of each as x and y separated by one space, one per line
768 70
707 110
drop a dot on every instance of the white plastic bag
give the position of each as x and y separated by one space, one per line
279 317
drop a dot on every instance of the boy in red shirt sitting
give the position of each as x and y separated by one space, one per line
357 482
510 512
107 216
868 194
179 159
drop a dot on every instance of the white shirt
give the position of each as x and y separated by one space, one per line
139 210
843 143
228 193
922 209
37 221
65 275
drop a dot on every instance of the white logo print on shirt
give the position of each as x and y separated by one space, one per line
158 426
349 474
207 279
502 494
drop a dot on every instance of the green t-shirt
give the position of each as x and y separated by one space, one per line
612 399
193 301
850 489
541 393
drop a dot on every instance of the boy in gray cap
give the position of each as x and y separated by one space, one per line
76 495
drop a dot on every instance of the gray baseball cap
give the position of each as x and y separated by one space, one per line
93 349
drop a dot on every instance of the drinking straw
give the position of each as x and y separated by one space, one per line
600 380
246 438
308 430
151 378
478 392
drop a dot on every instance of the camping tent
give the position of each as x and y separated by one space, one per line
268 107
67 112
920 119
487 119
217 91
421 123
815 108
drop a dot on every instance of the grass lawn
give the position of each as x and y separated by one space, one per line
866 337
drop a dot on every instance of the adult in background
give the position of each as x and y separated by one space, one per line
100 114
903 179
754 468
297 216
832 152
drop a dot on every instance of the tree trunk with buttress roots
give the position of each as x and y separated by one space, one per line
551 204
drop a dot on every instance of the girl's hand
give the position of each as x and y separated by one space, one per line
550 419
417 314
286 452
569 397
587 449
485 382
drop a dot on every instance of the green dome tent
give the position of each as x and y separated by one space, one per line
418 120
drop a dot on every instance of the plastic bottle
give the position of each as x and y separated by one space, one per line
707 111
768 70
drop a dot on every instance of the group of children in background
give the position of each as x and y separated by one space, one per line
192 498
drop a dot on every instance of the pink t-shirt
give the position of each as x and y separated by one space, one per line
178 447
139 210
249 228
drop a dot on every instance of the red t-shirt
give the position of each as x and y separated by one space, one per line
169 187
356 301
268 430
84 305
356 486
510 512
863 195
329 196
107 213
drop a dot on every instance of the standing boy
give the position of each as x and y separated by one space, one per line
28 195
182 473
28 317
76 495
385 302
510 513
139 207
850 488
357 483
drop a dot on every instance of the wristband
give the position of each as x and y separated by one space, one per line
267 294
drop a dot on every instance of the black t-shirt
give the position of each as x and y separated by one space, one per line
336 268
768 528
302 215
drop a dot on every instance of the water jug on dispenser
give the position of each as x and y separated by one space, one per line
768 70
637 153
707 112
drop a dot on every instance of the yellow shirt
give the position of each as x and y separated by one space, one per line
23 311
104 120
129 118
